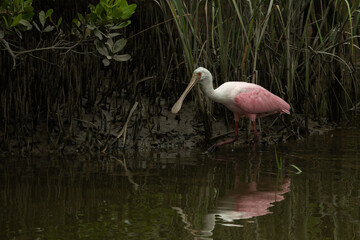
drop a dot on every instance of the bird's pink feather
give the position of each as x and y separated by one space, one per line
258 102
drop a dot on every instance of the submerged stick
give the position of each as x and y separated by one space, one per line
123 130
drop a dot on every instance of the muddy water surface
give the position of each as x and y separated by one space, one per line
232 194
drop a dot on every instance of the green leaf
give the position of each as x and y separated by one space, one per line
122 3
76 22
92 7
98 34
28 9
112 35
16 20
28 16
104 5
117 13
121 25
49 12
6 23
98 10
106 62
100 46
87 32
42 18
109 43
109 25
93 17
59 22
119 45
26 23
122 58
2 34
128 11
81 18
36 26
49 28
90 26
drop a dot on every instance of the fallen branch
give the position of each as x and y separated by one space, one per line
124 129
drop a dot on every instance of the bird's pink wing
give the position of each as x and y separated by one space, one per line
260 101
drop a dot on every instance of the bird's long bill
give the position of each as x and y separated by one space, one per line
177 106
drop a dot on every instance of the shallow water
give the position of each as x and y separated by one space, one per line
232 194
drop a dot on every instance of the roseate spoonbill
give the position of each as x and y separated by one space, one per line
242 98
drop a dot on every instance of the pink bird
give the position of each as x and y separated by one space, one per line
242 98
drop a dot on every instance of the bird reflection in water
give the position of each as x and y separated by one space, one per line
245 201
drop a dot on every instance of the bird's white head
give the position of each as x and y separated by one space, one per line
200 75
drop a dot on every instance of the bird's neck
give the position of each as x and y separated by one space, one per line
209 91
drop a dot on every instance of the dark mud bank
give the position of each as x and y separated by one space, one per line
143 128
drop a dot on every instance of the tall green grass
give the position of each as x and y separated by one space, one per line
304 51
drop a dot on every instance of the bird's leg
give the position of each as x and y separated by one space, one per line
256 138
213 147
236 129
